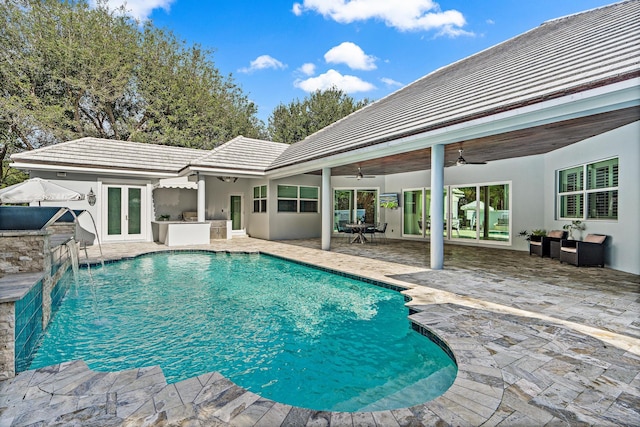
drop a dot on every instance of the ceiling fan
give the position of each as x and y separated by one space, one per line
461 161
360 175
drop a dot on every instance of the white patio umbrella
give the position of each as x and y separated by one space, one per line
472 206
38 190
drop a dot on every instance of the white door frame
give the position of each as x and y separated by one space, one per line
243 227
124 224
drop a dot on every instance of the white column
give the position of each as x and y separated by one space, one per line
201 198
437 207
327 220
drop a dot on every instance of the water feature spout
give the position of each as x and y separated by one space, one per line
73 251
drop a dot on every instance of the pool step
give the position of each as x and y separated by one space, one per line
398 399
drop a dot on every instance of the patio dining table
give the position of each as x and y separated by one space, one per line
358 232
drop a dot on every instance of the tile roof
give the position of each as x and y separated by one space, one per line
242 153
112 154
562 56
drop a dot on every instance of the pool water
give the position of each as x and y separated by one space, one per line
285 331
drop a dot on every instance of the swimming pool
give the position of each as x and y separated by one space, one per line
285 331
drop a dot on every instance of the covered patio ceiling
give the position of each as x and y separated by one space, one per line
526 142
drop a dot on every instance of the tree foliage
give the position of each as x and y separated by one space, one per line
299 119
68 71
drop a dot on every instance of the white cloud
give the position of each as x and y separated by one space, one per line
390 82
332 78
352 55
308 69
137 9
262 62
406 15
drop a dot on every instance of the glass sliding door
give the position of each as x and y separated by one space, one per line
466 211
494 210
413 204
366 204
353 205
342 209
463 221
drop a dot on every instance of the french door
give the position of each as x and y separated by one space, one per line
236 210
125 207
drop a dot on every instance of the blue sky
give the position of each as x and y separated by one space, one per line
280 50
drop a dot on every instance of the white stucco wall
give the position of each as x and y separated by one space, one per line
258 223
623 248
289 225
218 200
173 201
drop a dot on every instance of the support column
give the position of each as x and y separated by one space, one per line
327 220
437 207
201 198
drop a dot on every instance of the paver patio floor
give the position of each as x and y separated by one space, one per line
536 342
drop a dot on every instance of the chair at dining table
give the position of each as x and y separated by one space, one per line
371 231
346 231
382 230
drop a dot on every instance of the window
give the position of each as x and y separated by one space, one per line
589 191
294 198
260 198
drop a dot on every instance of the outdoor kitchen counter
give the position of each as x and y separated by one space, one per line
177 233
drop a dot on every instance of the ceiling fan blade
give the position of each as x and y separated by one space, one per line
461 161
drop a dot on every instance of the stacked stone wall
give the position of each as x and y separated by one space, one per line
24 252
7 340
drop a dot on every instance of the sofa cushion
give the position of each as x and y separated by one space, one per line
595 238
536 242
556 233
568 249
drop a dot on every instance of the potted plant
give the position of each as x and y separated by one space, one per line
536 232
164 217
575 225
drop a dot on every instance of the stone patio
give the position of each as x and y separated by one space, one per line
536 342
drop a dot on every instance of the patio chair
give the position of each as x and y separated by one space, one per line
590 251
382 230
371 231
342 228
544 245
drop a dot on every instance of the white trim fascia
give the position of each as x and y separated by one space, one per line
239 173
91 171
599 100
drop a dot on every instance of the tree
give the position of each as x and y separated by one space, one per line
184 100
68 71
299 119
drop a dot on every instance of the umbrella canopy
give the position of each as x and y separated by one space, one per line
37 190
472 206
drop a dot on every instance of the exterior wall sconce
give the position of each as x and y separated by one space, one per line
91 197
227 178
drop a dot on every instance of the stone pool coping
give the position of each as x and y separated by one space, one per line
513 369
